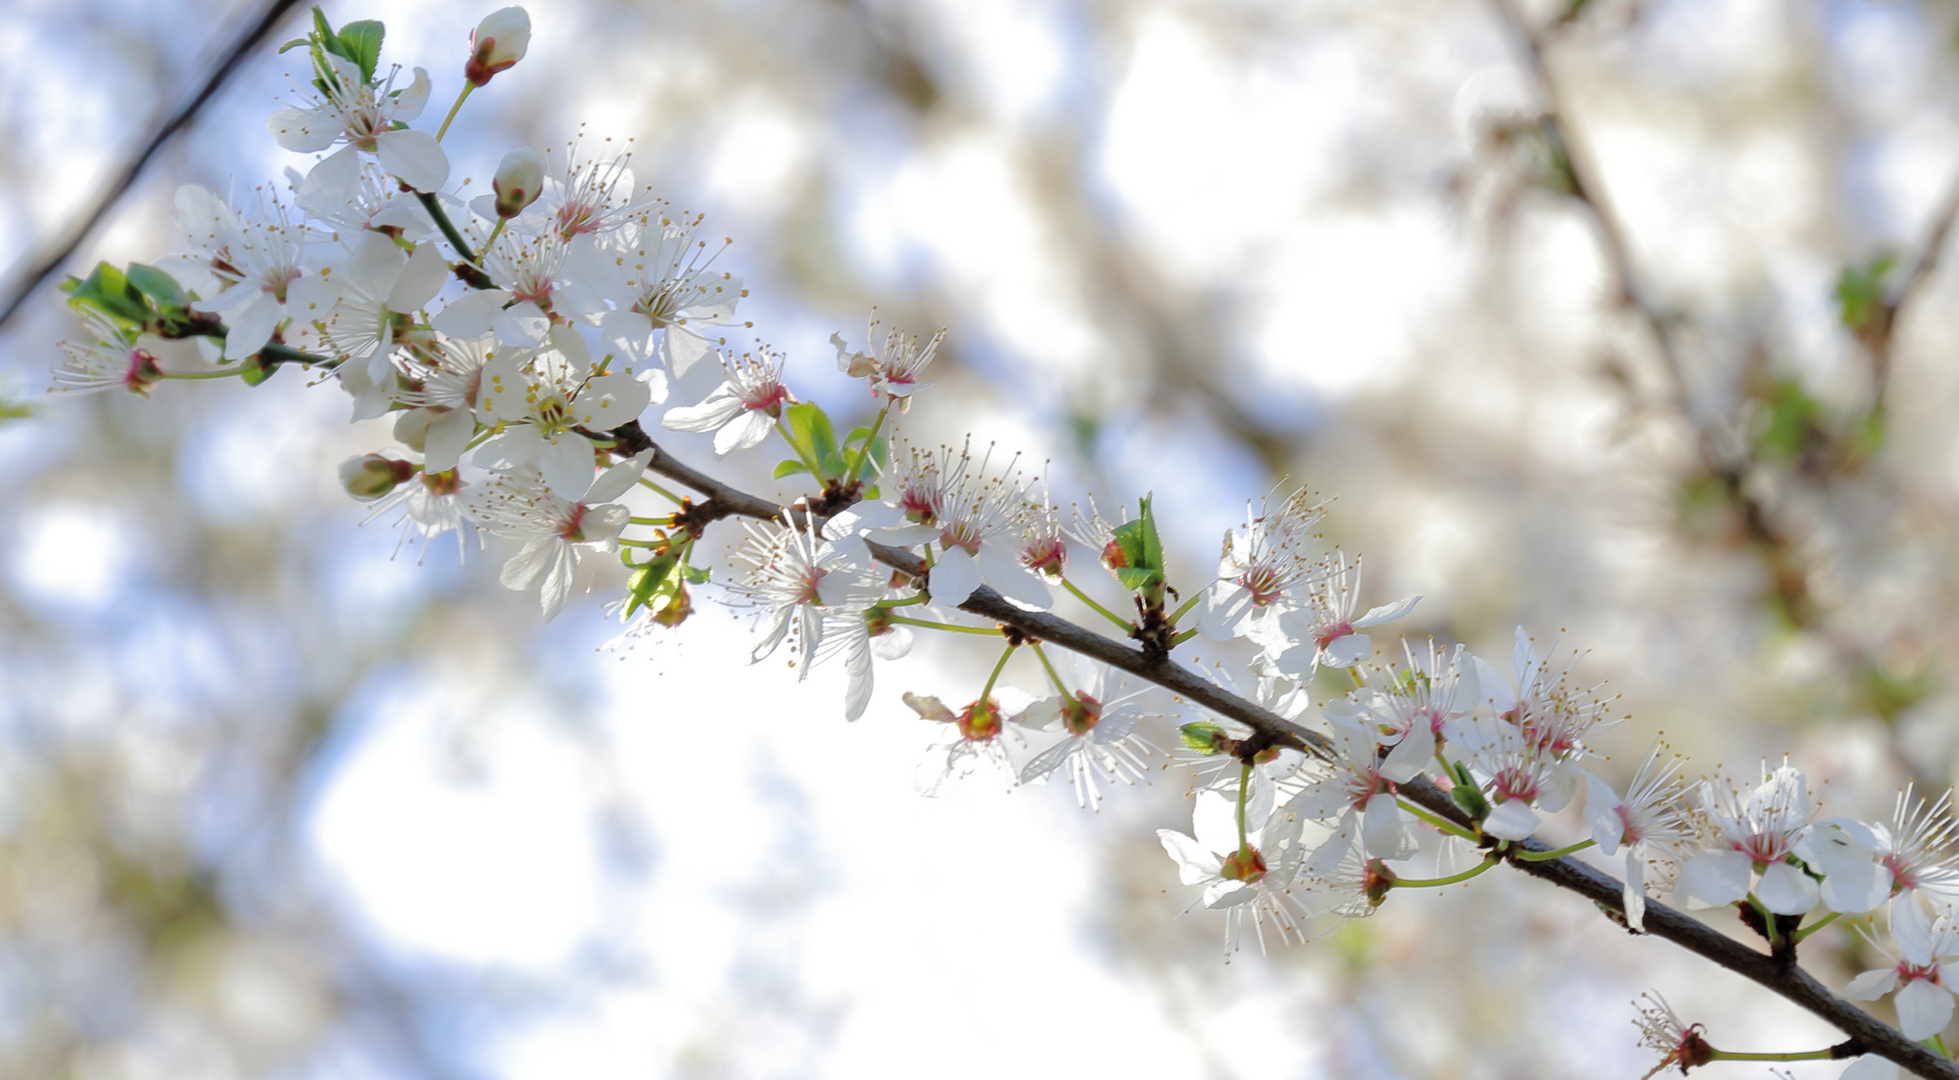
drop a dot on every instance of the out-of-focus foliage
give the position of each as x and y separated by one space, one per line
1182 247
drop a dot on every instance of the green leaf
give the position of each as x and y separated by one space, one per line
1152 543
157 285
363 43
789 467
645 582
808 427
295 43
1860 291
107 290
1137 578
697 575
325 38
1129 538
1202 737
1794 422
880 446
1471 800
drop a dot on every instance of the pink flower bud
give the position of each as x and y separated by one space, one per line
519 177
497 42
370 476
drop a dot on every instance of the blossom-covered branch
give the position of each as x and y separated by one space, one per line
520 365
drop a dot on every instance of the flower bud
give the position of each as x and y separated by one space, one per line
370 476
497 42
519 178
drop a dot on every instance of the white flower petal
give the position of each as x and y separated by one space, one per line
1924 1009
1786 890
1872 984
1714 878
955 576
1386 613
413 157
420 280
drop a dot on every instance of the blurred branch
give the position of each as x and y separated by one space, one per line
1879 336
1788 575
1778 972
40 267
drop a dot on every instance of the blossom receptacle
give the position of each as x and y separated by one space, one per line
980 720
497 43
370 476
519 179
1245 865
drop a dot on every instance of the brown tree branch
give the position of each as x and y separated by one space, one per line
40 267
1778 974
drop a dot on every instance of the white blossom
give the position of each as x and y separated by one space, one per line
541 402
1647 823
1261 569
521 504
360 117
1758 828
744 408
893 367
1096 721
1923 972
817 588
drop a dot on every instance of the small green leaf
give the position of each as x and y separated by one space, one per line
808 427
1860 291
157 285
1202 737
789 467
879 446
645 582
108 291
363 43
1137 578
1129 538
1471 799
1152 543
1794 422
697 575
298 42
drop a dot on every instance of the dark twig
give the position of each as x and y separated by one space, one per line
43 266
1879 337
1778 974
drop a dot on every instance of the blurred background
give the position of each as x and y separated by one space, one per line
277 800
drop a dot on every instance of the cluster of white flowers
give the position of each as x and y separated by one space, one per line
519 337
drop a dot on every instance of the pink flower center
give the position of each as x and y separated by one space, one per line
1908 971
1902 875
1044 555
577 217
918 505
1515 782
142 370
1633 833
1765 847
1364 786
808 585
765 396
1263 583
963 536
573 529
1331 632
